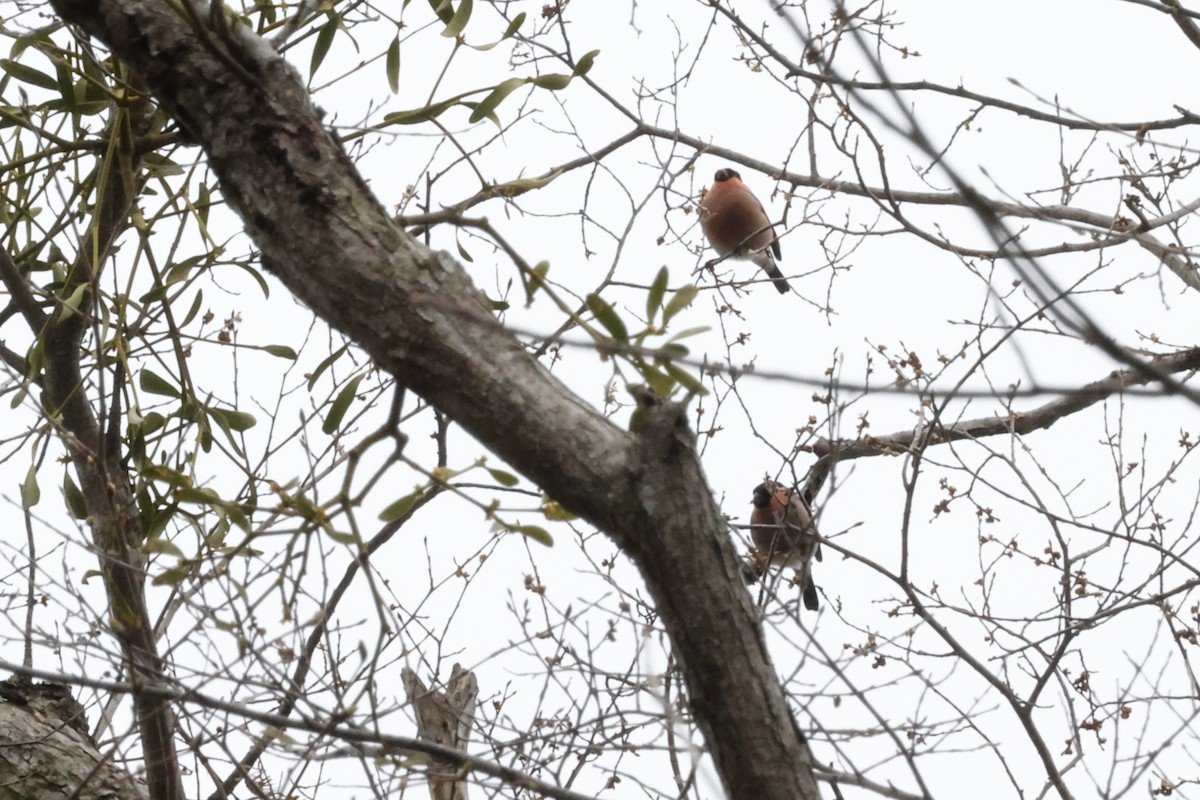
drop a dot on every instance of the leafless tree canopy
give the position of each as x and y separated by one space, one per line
379 424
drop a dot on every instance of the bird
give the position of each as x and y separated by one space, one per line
782 529
736 225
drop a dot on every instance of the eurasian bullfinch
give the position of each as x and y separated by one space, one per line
737 226
782 529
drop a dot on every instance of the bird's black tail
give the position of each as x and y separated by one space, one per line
781 284
811 601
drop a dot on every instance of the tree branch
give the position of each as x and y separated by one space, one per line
329 241
834 451
113 514
387 745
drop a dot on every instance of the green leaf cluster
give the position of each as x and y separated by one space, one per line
650 350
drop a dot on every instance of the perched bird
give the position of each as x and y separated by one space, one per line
781 527
737 226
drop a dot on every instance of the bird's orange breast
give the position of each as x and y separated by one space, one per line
732 219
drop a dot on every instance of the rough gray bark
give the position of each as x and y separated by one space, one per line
417 314
45 751
445 718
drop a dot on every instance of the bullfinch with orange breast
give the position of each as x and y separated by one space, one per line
782 529
737 226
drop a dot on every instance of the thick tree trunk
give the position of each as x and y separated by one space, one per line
45 751
416 312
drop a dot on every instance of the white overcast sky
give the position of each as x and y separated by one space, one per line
1112 61
1106 60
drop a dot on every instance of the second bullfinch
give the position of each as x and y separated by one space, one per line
781 527
736 225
